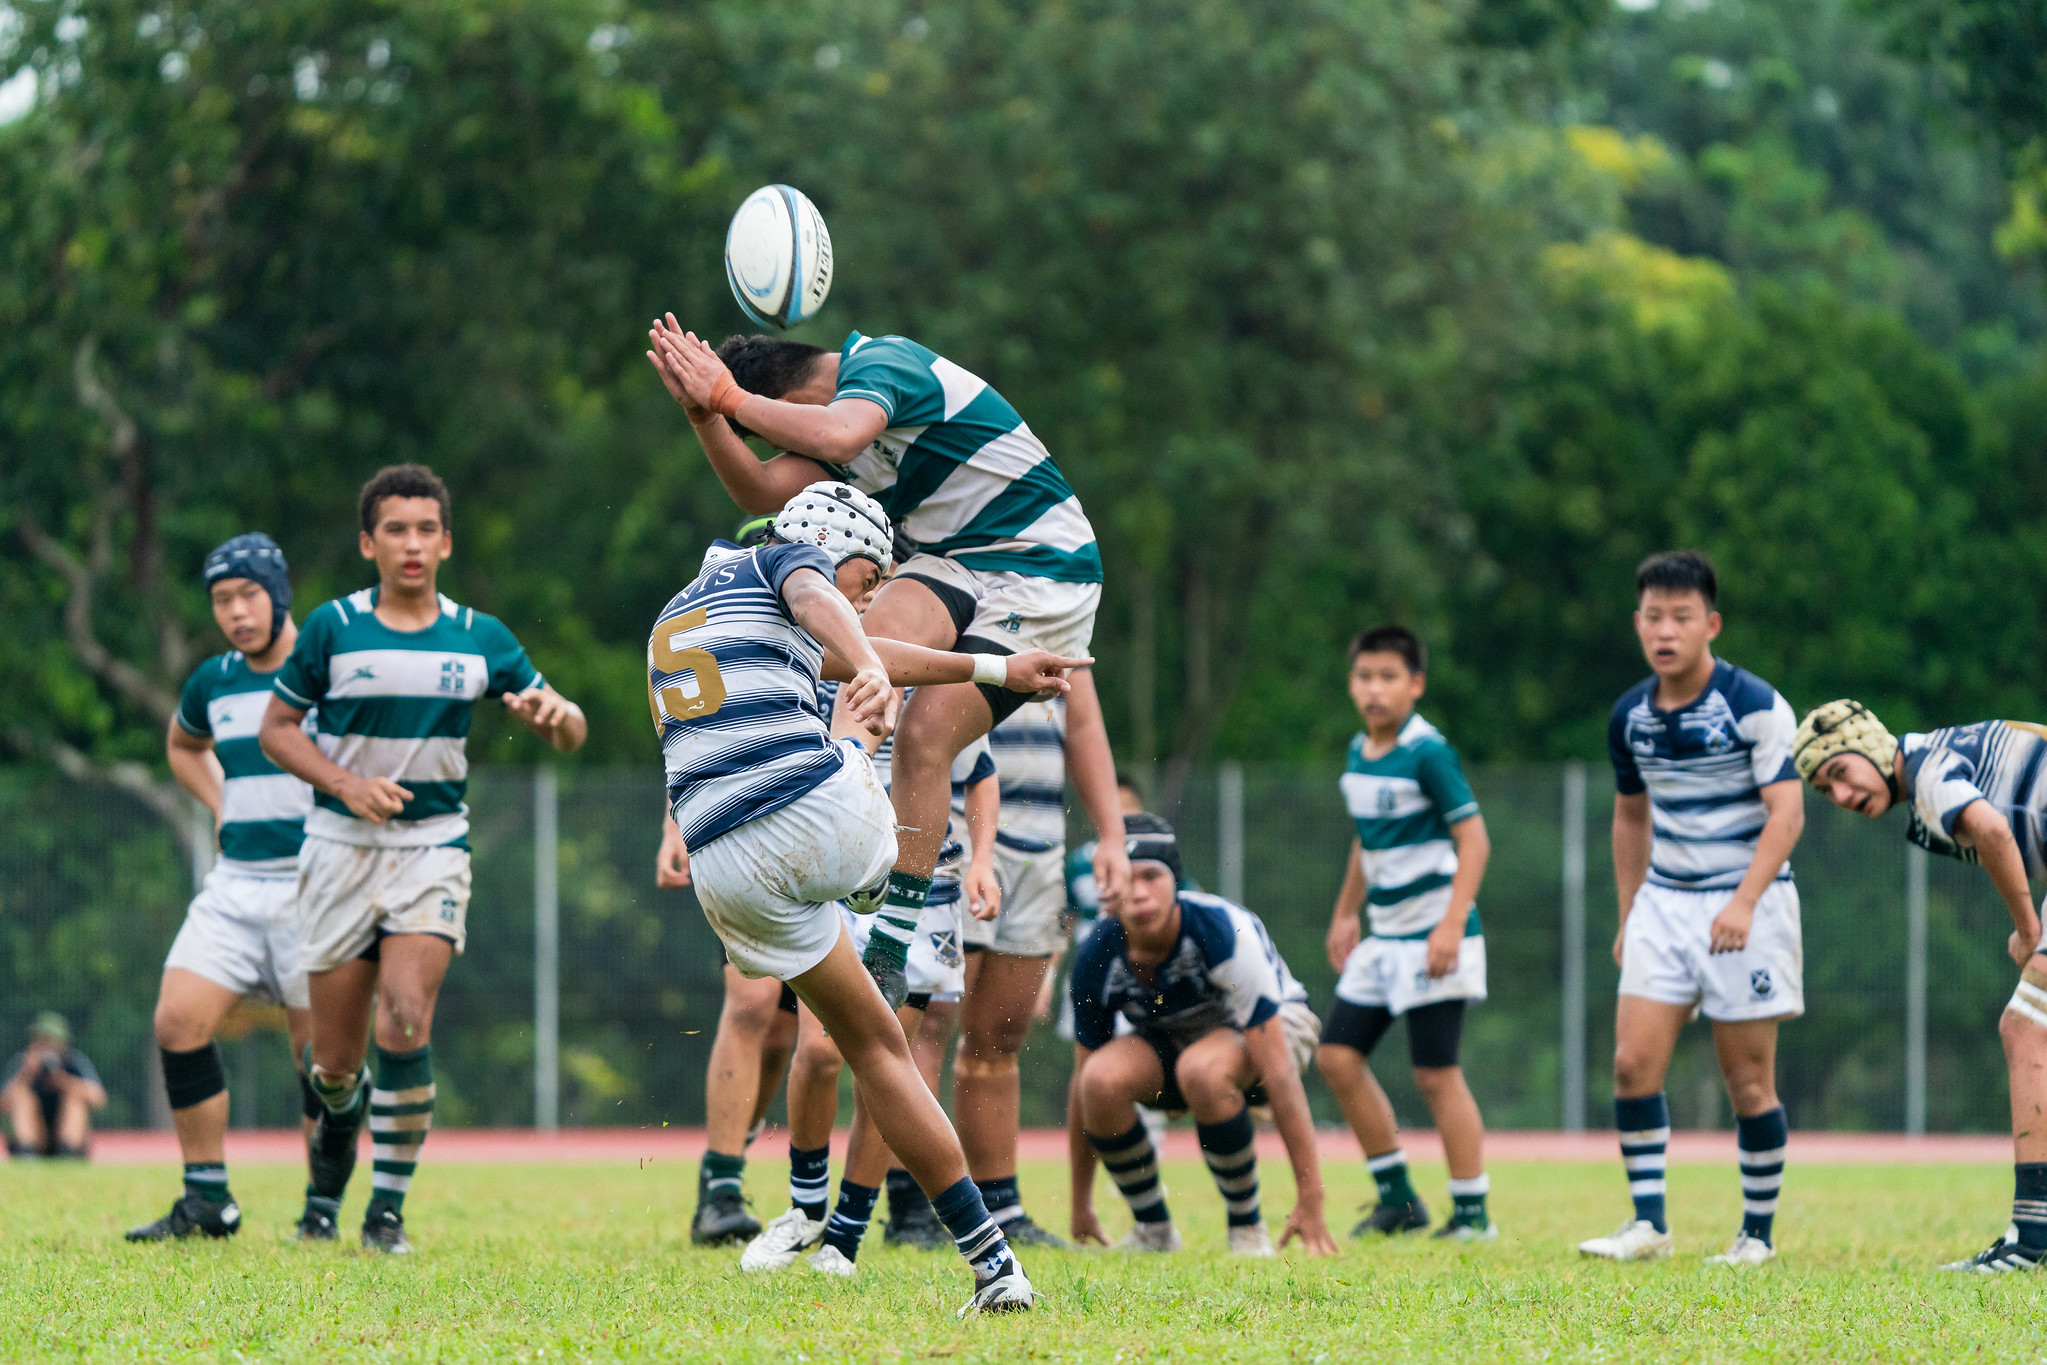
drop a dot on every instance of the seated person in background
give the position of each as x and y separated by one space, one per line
50 1092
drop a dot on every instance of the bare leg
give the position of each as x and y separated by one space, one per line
412 969
776 1049
994 1019
298 1027
1748 1061
733 1084
1358 1093
1645 1034
813 1086
1457 1119
936 724
2025 1053
343 1000
74 1124
25 1119
189 1009
867 1156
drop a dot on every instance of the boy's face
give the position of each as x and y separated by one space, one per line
1384 688
1153 893
241 608
1676 629
1852 782
859 580
409 542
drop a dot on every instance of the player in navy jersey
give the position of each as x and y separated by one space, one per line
240 938
1973 792
1707 811
782 823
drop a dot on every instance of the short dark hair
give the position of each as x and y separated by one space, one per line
768 366
402 481
1678 571
1124 779
1391 639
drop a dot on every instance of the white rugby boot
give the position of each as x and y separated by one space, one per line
1635 1240
1745 1250
1251 1239
1009 1292
829 1260
1160 1237
2001 1257
782 1241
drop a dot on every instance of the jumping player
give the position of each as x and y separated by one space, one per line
240 938
1707 812
396 672
1006 558
1972 792
1416 863
782 823
1217 1025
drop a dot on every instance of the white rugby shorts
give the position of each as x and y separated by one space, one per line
1033 904
1665 957
242 933
938 963
351 895
770 887
1016 610
1393 974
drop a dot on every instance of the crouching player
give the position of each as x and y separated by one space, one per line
1972 793
1217 1025
1417 861
782 823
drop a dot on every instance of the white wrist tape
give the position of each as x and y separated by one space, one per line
991 670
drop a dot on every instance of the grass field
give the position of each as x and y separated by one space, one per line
594 1262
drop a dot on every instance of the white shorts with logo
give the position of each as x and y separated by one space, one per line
938 963
1016 610
242 933
770 887
1033 904
1665 954
1393 974
351 895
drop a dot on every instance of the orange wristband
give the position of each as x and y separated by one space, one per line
726 396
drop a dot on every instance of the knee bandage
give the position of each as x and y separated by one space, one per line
193 1077
2029 1001
975 1068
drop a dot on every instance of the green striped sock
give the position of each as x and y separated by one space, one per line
897 918
401 1113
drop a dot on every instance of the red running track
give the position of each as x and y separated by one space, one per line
499 1146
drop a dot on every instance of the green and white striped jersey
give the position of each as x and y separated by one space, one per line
397 704
263 808
1403 803
957 469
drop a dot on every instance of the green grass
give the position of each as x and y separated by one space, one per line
594 1262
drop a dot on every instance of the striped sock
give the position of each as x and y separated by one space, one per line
1644 1124
722 1172
322 1203
401 1114
1390 1170
1001 1196
810 1178
2029 1204
1231 1150
1134 1166
1761 1139
850 1218
1467 1199
897 918
978 1237
206 1180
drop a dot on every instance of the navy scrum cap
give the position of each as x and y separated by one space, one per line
1147 838
256 557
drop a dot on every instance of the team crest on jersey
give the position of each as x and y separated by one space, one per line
362 674
1387 801
1759 982
945 945
453 677
1012 623
1717 739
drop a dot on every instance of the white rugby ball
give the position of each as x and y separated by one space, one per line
778 257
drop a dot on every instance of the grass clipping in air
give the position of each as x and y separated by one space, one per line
594 1263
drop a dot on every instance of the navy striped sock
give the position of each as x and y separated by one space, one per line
1761 1139
1231 1151
1002 1197
850 1218
810 1176
1134 1166
2029 1204
1644 1124
978 1237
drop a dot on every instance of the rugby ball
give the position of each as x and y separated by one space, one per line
778 257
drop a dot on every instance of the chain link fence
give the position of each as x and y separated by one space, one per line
93 885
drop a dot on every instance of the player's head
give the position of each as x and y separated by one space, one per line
249 586
849 527
791 371
1389 671
405 511
1129 796
1676 612
1154 853
49 1027
1845 751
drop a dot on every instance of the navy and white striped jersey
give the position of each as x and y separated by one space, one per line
1996 761
1704 766
733 683
1222 973
1030 757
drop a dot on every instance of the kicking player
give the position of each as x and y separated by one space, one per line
1006 557
782 823
1218 1025
1417 861
240 938
1707 812
1972 792
383 894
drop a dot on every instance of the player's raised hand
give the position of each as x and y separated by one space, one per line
704 378
1312 1228
671 377
1034 670
375 799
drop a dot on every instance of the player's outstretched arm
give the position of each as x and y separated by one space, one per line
1980 827
550 715
375 799
1266 1044
820 608
195 766
1344 929
835 433
1093 770
911 665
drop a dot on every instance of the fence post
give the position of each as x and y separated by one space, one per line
546 954
1573 948
1915 989
1230 834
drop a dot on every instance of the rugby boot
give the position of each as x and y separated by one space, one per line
1023 1232
1162 1238
917 1226
1459 1231
2002 1257
316 1225
1393 1219
1635 1240
1009 1292
721 1217
785 1238
384 1230
1745 1250
1251 1239
191 1216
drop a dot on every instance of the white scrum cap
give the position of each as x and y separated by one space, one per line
840 520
